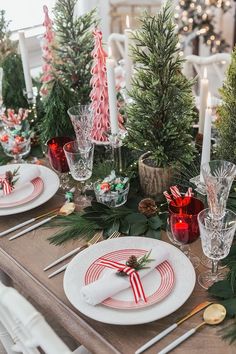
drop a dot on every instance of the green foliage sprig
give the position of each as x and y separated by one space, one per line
99 217
226 124
162 110
225 292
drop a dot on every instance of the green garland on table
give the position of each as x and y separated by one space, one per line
225 292
99 217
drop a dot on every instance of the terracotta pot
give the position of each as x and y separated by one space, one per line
153 180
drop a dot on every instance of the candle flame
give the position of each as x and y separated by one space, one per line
209 100
205 73
127 21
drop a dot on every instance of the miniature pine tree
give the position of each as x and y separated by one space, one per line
99 93
70 66
10 61
55 121
74 47
161 113
226 123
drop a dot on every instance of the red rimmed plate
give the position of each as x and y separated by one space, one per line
25 194
157 284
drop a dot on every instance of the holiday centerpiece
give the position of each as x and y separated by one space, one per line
67 67
161 113
99 94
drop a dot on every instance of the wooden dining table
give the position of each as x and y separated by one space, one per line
23 260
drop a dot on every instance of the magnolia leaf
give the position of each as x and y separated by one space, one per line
138 229
221 289
155 222
153 234
136 217
230 305
108 231
99 206
124 227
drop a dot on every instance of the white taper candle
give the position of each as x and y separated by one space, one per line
204 87
206 145
128 56
111 82
25 63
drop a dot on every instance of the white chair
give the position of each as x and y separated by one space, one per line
116 41
216 66
24 330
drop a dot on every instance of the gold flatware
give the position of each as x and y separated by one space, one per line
115 234
173 326
65 210
213 315
14 228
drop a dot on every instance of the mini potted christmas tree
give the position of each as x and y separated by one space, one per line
161 113
226 124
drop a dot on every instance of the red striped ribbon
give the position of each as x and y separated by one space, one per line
7 188
134 278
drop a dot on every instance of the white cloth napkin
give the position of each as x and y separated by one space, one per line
111 284
26 175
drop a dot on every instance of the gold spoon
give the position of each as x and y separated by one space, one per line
213 315
65 210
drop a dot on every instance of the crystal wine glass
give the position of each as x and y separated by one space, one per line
218 177
216 238
81 165
183 225
82 120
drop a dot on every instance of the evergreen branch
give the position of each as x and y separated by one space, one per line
74 226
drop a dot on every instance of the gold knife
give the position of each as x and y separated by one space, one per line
152 341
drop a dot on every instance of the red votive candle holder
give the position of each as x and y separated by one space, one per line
183 220
56 153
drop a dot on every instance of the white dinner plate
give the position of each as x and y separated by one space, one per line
51 184
74 280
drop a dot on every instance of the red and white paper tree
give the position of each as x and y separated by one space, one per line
99 93
48 40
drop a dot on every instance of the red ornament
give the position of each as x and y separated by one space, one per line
4 138
19 139
105 186
16 150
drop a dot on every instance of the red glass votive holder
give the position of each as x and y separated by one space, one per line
56 153
183 219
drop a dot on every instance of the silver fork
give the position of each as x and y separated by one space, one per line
93 241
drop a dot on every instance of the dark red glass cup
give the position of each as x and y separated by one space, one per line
56 154
183 220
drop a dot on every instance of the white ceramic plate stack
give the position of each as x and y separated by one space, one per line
167 287
32 194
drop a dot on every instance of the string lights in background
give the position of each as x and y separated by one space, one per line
197 19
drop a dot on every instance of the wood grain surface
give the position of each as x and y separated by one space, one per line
23 260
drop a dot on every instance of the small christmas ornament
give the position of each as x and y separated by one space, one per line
148 207
105 187
5 138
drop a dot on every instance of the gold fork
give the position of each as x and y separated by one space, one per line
91 242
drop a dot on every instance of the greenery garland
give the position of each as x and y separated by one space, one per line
225 292
99 217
